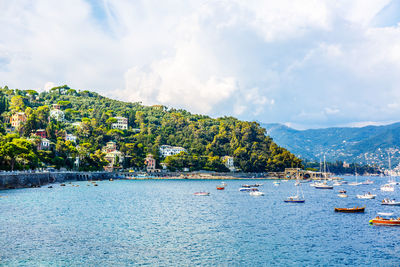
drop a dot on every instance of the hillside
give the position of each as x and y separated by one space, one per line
72 129
369 144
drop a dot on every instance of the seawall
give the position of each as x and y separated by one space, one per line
24 179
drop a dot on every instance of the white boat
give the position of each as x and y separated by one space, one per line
276 183
390 202
342 195
247 189
324 184
366 196
256 193
337 184
385 213
387 188
201 194
367 182
297 198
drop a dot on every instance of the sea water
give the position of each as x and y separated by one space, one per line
161 223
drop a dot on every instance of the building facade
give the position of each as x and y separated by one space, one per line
229 163
18 119
166 150
122 123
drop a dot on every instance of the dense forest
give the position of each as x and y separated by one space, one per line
339 168
205 139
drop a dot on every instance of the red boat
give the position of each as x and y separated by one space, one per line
383 221
350 210
220 188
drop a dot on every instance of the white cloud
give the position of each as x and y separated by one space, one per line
305 62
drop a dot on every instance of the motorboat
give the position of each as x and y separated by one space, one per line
246 189
342 195
385 221
343 191
220 187
350 210
366 196
294 199
256 193
387 188
390 202
201 194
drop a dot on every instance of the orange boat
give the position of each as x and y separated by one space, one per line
350 210
383 221
220 188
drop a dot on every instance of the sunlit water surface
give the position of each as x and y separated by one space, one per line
161 223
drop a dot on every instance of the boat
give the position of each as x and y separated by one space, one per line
337 183
342 195
350 210
251 185
385 213
201 194
296 198
366 196
256 193
356 183
385 221
387 188
390 202
324 184
367 182
342 191
276 183
220 187
224 184
246 189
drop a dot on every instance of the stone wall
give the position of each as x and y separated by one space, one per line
19 180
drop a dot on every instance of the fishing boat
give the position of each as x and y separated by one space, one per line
256 193
201 194
366 196
350 210
342 195
296 198
390 202
385 221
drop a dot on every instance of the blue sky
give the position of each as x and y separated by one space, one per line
307 64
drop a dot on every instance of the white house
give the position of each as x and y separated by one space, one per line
70 137
44 144
229 163
57 114
166 150
122 123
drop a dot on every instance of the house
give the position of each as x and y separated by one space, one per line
44 144
113 156
122 123
229 163
151 163
110 146
70 137
57 114
41 133
17 119
166 150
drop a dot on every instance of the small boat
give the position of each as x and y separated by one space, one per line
245 189
201 194
367 182
387 188
96 185
384 221
220 187
342 191
62 184
251 185
342 195
294 199
354 183
337 184
390 202
385 213
350 210
256 193
111 179
366 196
50 186
276 183
323 186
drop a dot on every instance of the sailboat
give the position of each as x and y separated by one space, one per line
324 184
297 198
356 174
389 187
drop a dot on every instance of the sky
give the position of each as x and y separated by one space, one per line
307 64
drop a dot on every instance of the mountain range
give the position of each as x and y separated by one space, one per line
366 145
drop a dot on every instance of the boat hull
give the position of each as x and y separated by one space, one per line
324 187
350 210
294 201
387 222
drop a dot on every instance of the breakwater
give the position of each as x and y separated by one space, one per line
10 180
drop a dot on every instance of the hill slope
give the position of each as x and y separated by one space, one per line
368 144
58 111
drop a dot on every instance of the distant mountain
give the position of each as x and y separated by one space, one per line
368 144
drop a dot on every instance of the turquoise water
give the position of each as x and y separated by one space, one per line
161 223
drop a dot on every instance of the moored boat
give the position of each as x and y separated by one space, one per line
294 199
367 182
245 189
323 186
350 210
390 202
220 187
201 194
256 193
366 196
342 195
387 188
385 221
